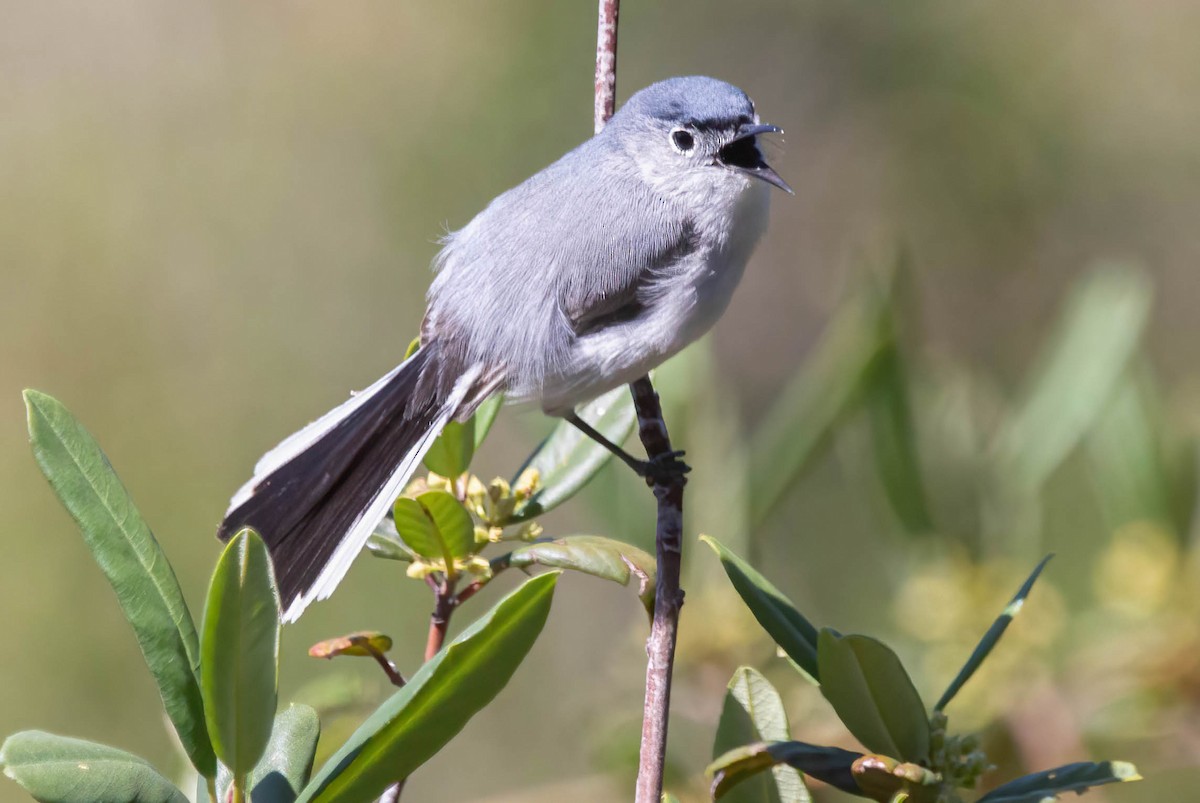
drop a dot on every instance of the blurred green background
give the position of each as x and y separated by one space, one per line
216 218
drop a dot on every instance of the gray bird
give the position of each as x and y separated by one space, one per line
574 282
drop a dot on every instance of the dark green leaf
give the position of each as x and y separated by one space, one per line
753 712
991 636
873 696
595 555
133 562
829 384
385 542
56 769
831 765
439 699
1098 334
285 766
435 526
239 670
775 612
893 437
450 455
1048 785
568 459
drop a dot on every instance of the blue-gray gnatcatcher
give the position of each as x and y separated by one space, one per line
577 281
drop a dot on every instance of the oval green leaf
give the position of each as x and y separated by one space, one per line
438 701
56 769
794 634
874 697
595 555
285 765
753 712
1048 785
450 455
133 562
239 668
568 459
435 525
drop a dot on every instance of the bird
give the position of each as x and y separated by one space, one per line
576 281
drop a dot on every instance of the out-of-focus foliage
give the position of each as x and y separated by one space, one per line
217 218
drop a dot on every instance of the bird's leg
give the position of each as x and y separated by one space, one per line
666 467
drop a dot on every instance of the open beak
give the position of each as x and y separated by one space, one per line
742 153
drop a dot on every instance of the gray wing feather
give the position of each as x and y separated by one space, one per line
573 246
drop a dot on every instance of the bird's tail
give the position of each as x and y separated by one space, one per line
317 496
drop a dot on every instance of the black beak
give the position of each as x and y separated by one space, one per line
742 153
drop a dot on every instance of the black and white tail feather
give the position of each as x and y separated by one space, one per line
317 496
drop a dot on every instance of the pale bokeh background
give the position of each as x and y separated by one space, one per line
216 218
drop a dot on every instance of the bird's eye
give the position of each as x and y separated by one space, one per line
683 140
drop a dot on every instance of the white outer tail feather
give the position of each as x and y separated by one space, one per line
354 540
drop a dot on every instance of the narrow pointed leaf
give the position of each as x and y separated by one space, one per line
57 769
1099 333
239 671
753 712
988 642
438 701
568 459
133 562
595 555
832 765
774 611
435 525
827 387
873 696
1048 785
894 443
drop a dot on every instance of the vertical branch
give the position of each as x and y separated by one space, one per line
606 62
668 597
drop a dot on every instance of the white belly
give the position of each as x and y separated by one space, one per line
690 302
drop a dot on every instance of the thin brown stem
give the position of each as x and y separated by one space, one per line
668 597
443 608
606 62
668 490
387 666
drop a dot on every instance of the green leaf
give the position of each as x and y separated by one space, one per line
133 562
1099 333
285 766
829 384
439 699
435 525
56 769
873 696
753 712
595 555
239 670
886 780
485 416
893 438
450 455
832 765
774 611
667 797
992 636
385 542
1048 785
1128 457
568 459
